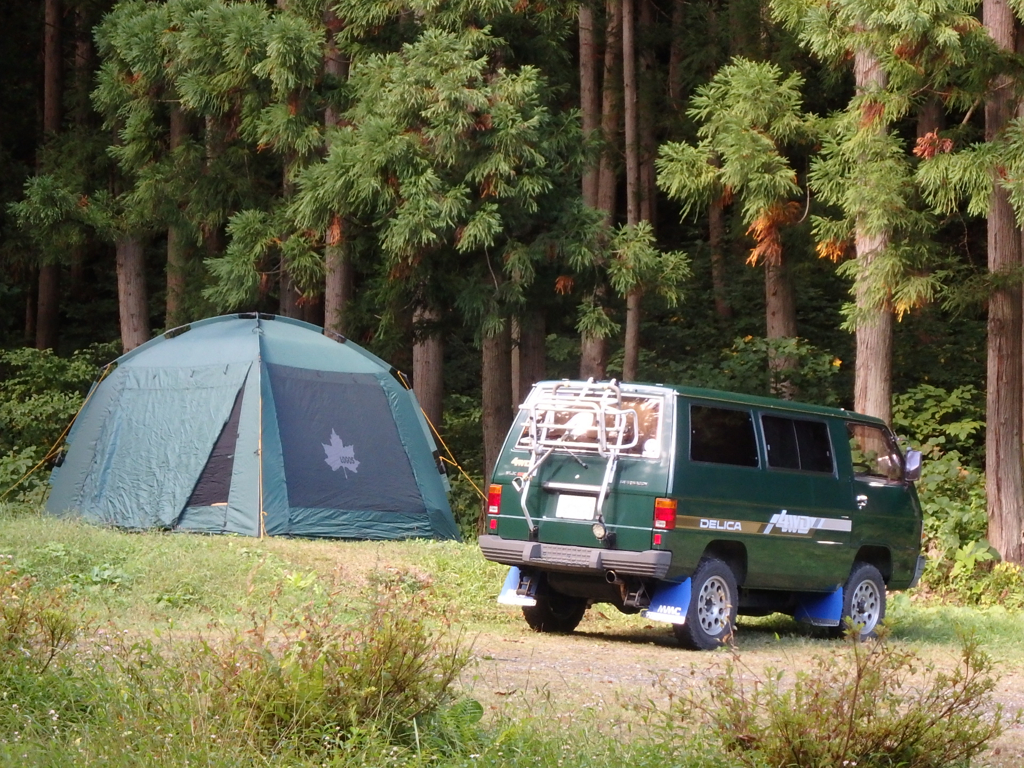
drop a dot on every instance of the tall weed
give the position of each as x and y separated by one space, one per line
870 705
314 682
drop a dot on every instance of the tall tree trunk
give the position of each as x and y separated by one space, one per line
645 119
594 350
53 61
610 112
48 308
338 289
132 303
83 119
497 393
1004 462
590 102
593 358
873 373
31 315
676 55
214 144
288 295
48 305
716 244
428 364
177 241
631 351
780 317
931 117
529 358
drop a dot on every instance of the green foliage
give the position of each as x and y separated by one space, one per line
744 368
40 393
38 692
35 626
948 428
748 113
875 704
637 264
313 683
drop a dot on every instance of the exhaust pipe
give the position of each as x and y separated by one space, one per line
613 578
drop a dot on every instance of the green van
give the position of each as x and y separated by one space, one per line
690 506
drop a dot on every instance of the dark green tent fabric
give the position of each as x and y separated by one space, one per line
254 424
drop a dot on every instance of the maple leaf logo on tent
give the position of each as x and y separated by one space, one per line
339 455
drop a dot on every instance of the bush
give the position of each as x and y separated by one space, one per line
871 705
40 691
40 394
948 428
315 684
744 367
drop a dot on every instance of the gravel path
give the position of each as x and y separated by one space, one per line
610 668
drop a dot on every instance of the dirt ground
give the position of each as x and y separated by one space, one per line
608 668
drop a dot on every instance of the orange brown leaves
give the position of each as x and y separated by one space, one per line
833 250
766 231
930 145
870 111
564 284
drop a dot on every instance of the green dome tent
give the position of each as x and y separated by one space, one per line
257 425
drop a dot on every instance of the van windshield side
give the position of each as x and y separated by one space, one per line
874 452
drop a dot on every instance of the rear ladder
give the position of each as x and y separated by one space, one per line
577 415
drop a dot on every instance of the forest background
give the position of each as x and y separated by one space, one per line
809 199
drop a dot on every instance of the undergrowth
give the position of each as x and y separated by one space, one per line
871 705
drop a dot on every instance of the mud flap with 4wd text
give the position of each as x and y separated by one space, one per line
670 603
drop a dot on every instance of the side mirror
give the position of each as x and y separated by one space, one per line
913 466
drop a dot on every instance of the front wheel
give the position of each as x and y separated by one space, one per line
711 615
555 612
863 601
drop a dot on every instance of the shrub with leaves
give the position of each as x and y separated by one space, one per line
316 683
40 691
40 393
874 705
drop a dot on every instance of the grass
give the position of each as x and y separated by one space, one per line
160 613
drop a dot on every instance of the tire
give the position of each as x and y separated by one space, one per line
711 615
555 612
863 601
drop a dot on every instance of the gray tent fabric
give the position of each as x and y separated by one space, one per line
257 425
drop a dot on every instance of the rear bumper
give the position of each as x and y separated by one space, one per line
649 563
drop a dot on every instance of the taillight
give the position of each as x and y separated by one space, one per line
493 499
665 514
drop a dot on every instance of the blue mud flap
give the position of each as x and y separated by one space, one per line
510 594
669 603
821 610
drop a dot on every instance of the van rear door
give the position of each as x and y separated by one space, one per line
597 453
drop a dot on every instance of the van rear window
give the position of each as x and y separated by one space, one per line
569 420
722 436
797 444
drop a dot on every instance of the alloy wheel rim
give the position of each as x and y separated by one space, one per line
865 606
713 605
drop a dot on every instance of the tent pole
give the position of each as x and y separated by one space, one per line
259 441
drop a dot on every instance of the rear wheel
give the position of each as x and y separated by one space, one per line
711 615
555 612
863 601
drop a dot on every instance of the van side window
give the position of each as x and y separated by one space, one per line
722 436
874 452
797 444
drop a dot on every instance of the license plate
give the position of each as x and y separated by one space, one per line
576 507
